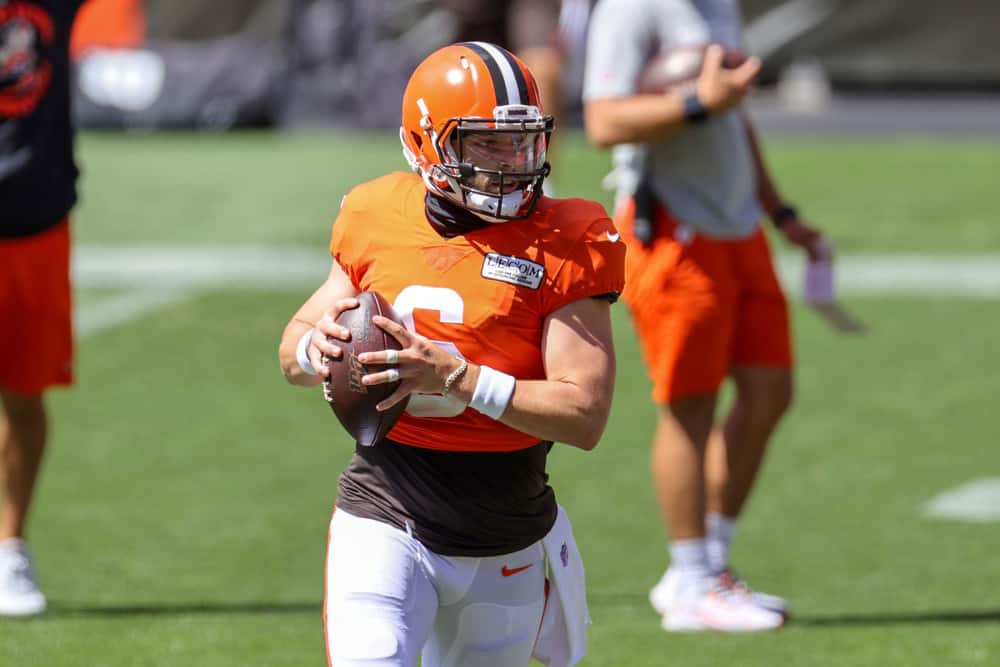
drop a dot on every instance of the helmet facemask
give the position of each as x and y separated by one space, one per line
494 167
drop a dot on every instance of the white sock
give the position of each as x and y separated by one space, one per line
719 531
689 558
13 544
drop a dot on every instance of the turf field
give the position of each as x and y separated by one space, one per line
182 513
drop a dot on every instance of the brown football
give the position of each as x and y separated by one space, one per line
678 68
352 402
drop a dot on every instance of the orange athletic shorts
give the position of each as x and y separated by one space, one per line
36 330
702 305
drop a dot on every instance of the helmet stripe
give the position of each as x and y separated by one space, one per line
499 88
508 81
512 71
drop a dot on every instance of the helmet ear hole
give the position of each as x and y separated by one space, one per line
417 139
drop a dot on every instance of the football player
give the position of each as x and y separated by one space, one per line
37 191
702 290
445 531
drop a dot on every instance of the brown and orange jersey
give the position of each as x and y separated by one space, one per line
484 295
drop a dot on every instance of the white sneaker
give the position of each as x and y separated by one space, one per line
19 594
694 604
772 602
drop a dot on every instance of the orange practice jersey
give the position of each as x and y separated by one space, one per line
484 295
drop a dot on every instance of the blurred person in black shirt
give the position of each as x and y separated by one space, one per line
37 192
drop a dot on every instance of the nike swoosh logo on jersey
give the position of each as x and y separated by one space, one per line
614 237
509 572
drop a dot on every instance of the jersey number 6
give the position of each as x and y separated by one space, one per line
451 309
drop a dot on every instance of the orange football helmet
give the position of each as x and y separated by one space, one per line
474 128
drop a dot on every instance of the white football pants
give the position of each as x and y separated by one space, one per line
388 598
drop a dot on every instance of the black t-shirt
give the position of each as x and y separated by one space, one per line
37 171
455 503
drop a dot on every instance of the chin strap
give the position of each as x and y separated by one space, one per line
493 205
449 219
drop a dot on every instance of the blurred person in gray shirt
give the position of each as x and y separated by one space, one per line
700 284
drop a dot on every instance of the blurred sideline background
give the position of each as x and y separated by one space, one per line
183 511
344 63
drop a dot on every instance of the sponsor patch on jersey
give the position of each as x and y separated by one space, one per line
513 270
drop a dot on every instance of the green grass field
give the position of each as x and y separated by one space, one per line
182 514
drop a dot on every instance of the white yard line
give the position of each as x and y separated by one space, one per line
258 267
977 501
124 307
158 275
961 276
155 276
251 267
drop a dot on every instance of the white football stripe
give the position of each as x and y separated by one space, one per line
167 273
252 267
124 307
977 501
976 276
258 267
510 83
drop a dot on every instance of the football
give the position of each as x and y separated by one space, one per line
678 69
352 402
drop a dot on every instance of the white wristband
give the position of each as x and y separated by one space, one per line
493 392
302 352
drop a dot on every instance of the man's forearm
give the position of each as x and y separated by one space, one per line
289 353
554 410
636 119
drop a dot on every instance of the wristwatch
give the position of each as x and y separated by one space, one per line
695 112
781 215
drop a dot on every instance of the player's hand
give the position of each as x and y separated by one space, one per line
806 237
319 346
421 365
720 89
